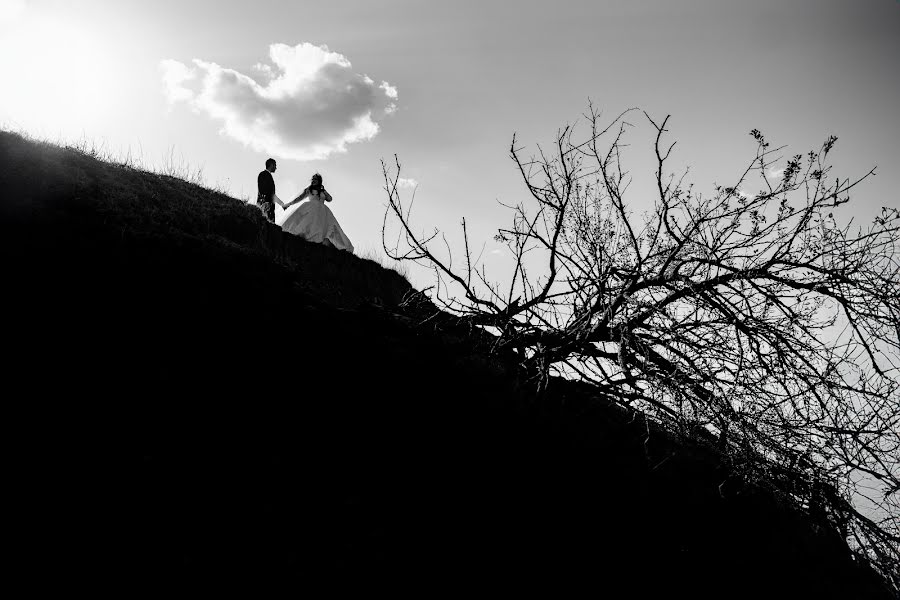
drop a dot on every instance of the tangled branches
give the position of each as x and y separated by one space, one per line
750 317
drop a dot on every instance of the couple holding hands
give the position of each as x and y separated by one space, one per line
311 220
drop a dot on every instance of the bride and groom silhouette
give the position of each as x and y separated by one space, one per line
312 219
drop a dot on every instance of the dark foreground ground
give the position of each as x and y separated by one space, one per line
207 407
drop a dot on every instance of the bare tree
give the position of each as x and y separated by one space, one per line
750 317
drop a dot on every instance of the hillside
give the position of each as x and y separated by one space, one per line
201 402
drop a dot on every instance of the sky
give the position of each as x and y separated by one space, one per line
335 87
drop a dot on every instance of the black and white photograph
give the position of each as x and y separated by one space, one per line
421 298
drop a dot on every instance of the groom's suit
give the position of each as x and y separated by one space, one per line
265 199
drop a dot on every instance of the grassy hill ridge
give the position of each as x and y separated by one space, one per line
204 400
42 179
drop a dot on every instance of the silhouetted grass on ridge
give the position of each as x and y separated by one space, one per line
84 181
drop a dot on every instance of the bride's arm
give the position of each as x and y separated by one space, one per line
302 195
325 195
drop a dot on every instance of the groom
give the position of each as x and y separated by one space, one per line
266 197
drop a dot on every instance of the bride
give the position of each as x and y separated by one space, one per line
312 220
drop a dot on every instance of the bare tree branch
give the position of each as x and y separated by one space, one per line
753 316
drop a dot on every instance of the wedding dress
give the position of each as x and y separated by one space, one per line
314 222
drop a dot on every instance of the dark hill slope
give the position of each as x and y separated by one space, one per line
200 400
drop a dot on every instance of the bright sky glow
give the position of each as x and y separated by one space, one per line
59 77
337 86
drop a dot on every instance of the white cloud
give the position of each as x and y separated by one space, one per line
309 104
404 182
389 90
10 10
175 75
775 173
